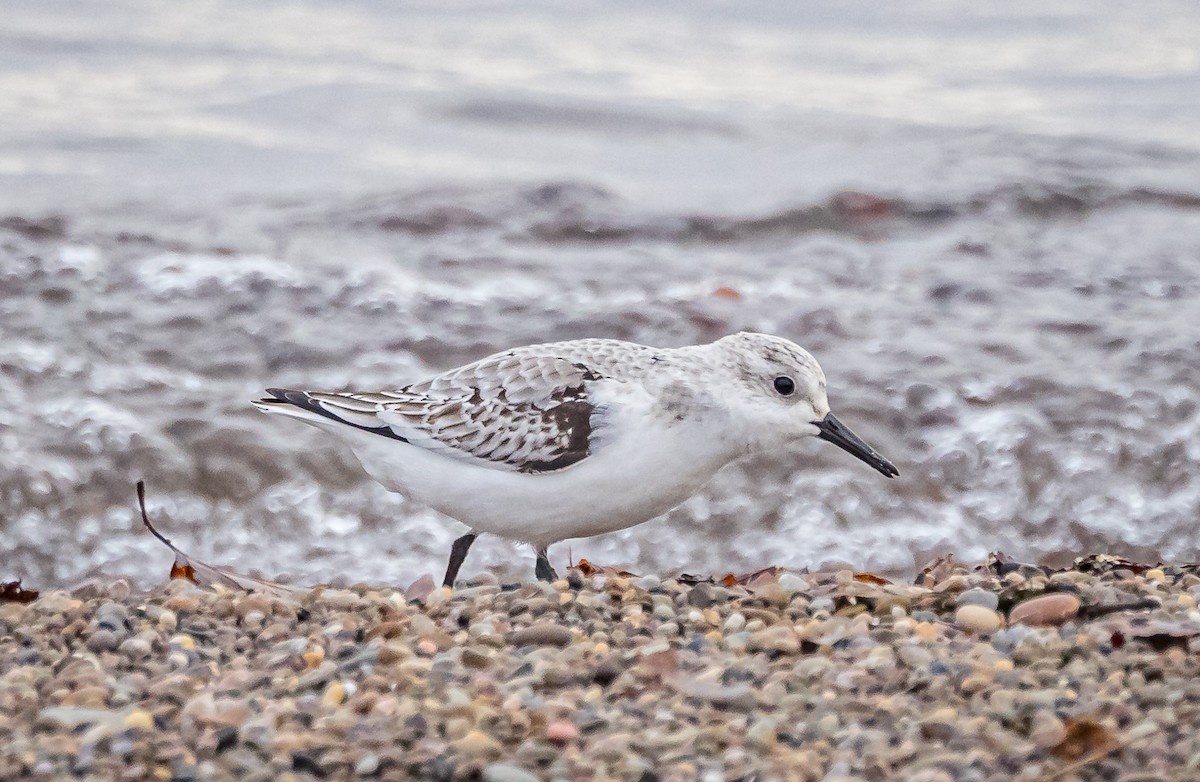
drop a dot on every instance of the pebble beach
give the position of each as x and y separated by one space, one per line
989 671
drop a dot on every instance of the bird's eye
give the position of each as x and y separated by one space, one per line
785 385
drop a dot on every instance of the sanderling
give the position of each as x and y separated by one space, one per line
571 439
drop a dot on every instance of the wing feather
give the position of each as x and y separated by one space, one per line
523 412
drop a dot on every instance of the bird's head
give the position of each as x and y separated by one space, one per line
786 391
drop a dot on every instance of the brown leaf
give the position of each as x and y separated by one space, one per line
751 580
1106 563
939 570
1085 738
202 573
13 592
871 578
727 293
587 569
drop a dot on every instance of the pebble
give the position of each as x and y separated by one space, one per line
561 732
979 597
790 582
642 678
977 619
1045 610
503 772
701 596
734 623
103 641
118 590
367 765
1047 731
476 743
540 635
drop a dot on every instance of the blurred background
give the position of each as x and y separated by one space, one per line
983 220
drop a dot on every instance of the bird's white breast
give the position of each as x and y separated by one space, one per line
642 465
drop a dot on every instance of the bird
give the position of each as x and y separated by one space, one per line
562 440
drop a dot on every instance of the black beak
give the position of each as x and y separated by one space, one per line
840 435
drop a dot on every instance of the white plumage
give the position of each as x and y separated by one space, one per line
572 439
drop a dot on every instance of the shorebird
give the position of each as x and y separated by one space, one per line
563 440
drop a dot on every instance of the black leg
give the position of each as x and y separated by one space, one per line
458 552
542 570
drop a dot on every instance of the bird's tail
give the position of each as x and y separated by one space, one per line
293 404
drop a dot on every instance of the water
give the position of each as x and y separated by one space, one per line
984 223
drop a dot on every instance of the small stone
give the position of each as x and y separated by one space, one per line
734 623
738 696
561 732
762 733
335 694
504 772
930 775
476 743
540 635
608 670
772 594
139 719
701 596
977 619
1047 731
118 590
136 648
790 582
474 657
1045 610
776 638
1156 574
367 765
979 597
103 641
648 582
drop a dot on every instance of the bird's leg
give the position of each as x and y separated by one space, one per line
542 570
458 553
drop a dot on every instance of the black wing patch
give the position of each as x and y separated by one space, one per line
519 412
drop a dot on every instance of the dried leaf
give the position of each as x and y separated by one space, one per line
587 570
751 580
13 592
939 570
691 580
871 578
1099 564
202 573
1085 738
727 293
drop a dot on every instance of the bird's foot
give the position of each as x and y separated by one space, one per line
542 570
458 553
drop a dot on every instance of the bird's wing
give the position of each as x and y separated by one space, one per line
512 411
